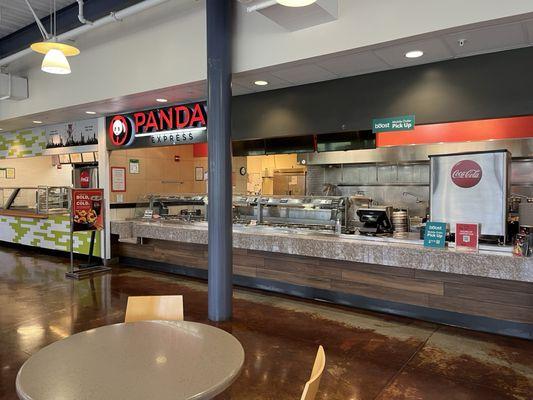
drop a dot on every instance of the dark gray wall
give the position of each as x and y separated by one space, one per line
486 86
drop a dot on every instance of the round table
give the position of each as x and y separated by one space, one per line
140 360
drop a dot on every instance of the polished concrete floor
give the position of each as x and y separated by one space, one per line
369 355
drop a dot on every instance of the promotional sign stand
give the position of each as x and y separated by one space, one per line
87 214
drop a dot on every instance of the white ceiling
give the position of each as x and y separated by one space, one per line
15 14
482 38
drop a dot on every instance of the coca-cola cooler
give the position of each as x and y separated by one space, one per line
85 176
471 188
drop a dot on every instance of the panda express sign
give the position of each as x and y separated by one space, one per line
181 124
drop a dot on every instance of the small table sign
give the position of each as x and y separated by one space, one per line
467 237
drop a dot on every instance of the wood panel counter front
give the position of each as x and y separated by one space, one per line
390 278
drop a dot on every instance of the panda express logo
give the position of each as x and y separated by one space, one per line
120 132
170 125
466 173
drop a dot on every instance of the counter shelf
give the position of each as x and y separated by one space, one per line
34 202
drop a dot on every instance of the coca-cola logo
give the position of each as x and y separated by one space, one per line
466 173
85 178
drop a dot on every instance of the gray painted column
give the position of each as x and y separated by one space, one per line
220 290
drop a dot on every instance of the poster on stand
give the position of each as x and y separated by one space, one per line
87 210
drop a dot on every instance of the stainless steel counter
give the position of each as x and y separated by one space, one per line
491 261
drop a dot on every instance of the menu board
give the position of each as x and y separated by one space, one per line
466 237
87 209
435 235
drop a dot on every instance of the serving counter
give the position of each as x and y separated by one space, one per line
490 290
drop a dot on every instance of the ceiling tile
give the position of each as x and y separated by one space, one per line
247 81
434 50
305 73
490 38
237 89
16 14
353 64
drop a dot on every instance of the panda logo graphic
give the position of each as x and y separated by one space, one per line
120 132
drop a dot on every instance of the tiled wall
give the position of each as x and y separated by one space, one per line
50 233
24 143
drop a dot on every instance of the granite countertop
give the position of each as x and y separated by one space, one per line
491 261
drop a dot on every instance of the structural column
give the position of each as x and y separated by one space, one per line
220 290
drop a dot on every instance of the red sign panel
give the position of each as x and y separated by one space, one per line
466 237
466 173
87 209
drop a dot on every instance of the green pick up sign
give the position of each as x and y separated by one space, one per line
402 123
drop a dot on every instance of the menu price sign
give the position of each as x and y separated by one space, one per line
435 235
87 210
466 237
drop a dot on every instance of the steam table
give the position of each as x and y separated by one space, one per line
139 360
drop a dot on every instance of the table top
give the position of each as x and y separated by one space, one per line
139 360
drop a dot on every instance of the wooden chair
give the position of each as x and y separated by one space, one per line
311 387
145 308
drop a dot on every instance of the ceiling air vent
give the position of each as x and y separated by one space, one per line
13 87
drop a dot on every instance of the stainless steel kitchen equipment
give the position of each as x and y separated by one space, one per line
400 223
471 188
353 203
181 208
314 212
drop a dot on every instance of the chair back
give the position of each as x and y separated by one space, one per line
145 308
311 387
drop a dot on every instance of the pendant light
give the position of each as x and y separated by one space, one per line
56 53
296 3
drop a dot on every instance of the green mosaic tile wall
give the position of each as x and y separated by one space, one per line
25 143
51 233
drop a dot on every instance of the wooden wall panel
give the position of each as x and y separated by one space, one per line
494 298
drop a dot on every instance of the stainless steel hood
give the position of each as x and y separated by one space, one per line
519 148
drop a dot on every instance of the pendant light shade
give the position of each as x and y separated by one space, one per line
295 3
55 62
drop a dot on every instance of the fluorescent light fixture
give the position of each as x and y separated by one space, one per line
295 3
261 83
37 122
1 129
414 54
90 112
55 62
161 100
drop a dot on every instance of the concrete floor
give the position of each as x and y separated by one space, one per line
369 355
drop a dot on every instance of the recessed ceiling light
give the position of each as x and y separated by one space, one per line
414 54
295 3
261 83
90 112
161 100
37 122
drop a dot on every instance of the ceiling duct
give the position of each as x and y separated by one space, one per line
13 87
295 18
